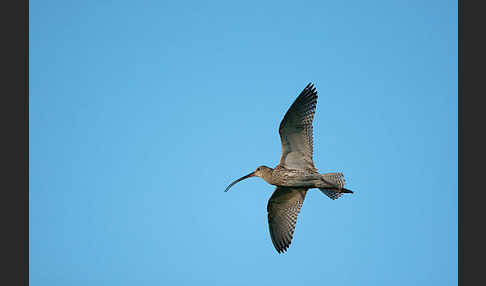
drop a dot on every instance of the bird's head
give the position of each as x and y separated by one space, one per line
263 172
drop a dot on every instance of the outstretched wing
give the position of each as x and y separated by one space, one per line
296 131
283 208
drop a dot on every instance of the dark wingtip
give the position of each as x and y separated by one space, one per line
282 248
311 89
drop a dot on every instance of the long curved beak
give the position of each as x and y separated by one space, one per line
252 174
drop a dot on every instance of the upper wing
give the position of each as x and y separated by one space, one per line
283 207
296 131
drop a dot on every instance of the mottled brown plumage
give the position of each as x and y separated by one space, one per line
295 173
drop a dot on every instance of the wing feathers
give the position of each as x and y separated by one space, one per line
296 132
283 209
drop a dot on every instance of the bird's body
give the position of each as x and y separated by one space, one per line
284 177
295 173
299 178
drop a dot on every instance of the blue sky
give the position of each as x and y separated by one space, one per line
142 112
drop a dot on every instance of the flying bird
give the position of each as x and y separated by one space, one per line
296 173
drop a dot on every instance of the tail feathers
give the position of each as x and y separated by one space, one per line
334 193
334 185
334 179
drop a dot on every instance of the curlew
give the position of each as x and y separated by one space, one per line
296 173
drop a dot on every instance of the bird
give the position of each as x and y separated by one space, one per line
295 174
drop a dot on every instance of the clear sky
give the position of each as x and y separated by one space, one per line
142 112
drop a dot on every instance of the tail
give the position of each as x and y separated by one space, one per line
334 193
335 185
